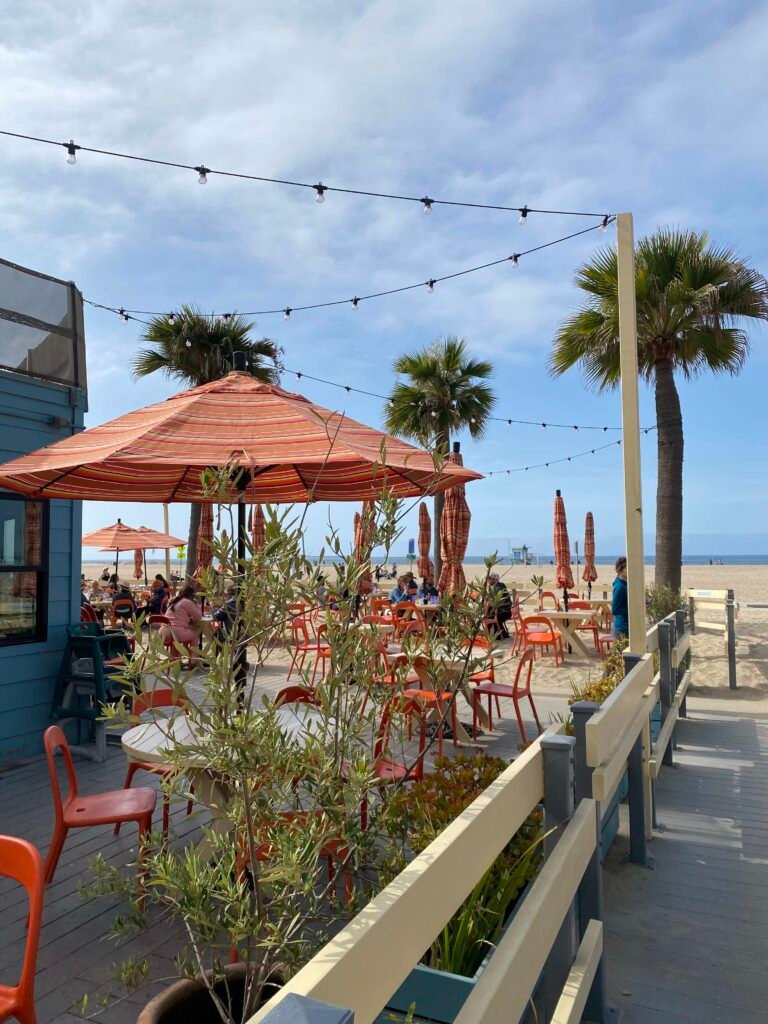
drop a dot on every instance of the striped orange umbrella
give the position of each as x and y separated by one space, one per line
158 539
138 564
424 566
204 551
258 528
454 535
364 529
289 449
117 537
563 574
590 572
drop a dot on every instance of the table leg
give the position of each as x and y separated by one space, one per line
571 637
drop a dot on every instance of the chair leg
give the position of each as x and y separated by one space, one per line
132 769
520 725
290 671
54 852
475 698
166 813
145 829
536 717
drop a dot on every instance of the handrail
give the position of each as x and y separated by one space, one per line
604 730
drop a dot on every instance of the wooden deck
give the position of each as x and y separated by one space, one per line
76 953
687 942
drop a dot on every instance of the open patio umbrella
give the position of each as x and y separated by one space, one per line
203 552
563 574
258 528
117 537
454 535
287 449
424 566
590 572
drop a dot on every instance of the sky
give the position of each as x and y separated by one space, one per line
654 109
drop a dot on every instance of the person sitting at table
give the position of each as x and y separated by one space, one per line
225 616
123 594
114 583
105 574
411 589
398 592
427 591
96 592
159 598
161 579
185 621
499 608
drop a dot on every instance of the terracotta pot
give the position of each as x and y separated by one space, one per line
188 1002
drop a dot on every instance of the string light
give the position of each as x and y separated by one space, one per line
515 259
123 315
604 224
566 458
372 193
171 318
227 317
71 151
523 218
287 313
427 204
320 190
188 343
431 285
355 302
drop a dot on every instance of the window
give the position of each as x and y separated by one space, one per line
23 570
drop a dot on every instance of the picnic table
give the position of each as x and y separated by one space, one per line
567 623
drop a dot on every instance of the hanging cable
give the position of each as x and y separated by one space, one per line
319 188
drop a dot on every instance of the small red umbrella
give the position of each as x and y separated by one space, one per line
203 551
563 574
590 572
454 535
258 528
424 566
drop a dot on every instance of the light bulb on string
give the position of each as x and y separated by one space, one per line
188 343
171 318
355 302
427 204
287 313
227 317
514 259
431 285
320 189
433 414
604 224
71 151
123 315
202 174
523 218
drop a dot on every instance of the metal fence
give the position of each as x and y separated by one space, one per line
41 326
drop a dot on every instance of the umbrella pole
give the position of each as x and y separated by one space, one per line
117 558
144 553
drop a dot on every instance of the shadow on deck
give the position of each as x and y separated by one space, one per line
687 942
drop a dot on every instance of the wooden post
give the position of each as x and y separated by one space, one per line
730 639
167 550
630 421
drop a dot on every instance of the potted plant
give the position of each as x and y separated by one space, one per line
291 822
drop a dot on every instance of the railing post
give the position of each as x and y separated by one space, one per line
558 757
582 711
680 632
638 853
730 619
666 685
692 614
591 909
296 1009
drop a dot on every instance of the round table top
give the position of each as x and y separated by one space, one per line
150 740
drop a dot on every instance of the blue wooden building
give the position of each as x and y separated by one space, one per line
43 398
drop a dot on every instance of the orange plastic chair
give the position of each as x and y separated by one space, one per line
552 598
586 627
385 769
144 702
301 644
519 688
21 861
123 610
545 636
407 614
88 614
75 811
381 606
321 650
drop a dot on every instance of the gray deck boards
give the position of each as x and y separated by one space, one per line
688 941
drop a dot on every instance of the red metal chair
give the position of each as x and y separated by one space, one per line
385 769
296 695
544 636
548 599
519 688
406 614
321 650
21 861
381 606
75 811
144 702
301 644
586 627
88 614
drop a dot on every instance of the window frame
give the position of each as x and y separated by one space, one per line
41 571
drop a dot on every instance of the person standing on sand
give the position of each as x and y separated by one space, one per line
619 606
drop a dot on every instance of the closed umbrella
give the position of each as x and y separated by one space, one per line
563 574
204 551
258 528
425 567
364 528
454 535
590 572
138 565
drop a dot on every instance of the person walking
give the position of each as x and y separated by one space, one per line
619 605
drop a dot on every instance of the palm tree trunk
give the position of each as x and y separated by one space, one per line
669 487
195 511
443 447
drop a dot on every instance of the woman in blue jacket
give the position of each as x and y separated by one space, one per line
619 607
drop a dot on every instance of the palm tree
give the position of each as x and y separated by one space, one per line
694 301
197 349
444 393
